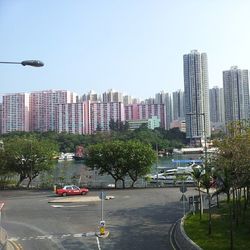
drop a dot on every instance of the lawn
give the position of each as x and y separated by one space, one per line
220 238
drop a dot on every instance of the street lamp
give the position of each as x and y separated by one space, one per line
33 63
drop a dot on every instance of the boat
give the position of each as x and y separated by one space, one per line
66 157
175 175
79 153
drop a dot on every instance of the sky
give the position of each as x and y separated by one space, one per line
132 46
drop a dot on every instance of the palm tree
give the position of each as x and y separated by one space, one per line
197 174
206 183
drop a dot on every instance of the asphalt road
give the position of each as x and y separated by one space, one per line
136 219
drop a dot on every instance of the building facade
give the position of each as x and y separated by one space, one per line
102 113
236 94
146 111
196 96
178 105
43 107
15 112
217 112
73 118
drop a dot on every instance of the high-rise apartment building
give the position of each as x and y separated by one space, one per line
15 112
178 105
142 111
216 102
236 94
73 118
1 118
42 108
91 96
196 96
127 100
165 98
112 96
101 113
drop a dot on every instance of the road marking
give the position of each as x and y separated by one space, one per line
56 206
77 235
98 243
65 235
60 206
89 234
14 238
51 236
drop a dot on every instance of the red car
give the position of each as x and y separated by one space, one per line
71 190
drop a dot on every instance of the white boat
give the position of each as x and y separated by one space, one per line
66 157
175 175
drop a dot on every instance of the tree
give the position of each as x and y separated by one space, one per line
28 156
197 174
139 159
206 183
120 158
109 159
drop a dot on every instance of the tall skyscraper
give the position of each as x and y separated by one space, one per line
216 102
196 96
178 105
236 94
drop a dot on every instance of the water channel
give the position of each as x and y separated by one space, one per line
66 172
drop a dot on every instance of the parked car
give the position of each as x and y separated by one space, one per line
71 190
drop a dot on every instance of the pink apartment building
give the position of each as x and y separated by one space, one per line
43 106
102 112
137 112
15 112
73 118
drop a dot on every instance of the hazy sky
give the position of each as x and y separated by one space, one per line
132 46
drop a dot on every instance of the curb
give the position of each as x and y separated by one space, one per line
185 235
103 236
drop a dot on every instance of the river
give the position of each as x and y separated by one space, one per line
77 172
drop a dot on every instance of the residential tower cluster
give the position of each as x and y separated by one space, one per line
197 110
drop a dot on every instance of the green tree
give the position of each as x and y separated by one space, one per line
121 158
28 156
139 159
197 175
109 159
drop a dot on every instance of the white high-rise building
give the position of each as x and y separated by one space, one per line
196 96
217 113
236 94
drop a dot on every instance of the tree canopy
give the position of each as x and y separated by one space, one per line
28 156
120 158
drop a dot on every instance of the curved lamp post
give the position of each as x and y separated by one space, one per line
33 63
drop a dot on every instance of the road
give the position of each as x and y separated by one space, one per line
137 219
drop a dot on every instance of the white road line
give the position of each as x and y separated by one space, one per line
98 243
65 235
42 237
60 206
14 238
77 235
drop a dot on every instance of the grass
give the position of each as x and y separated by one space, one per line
220 238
